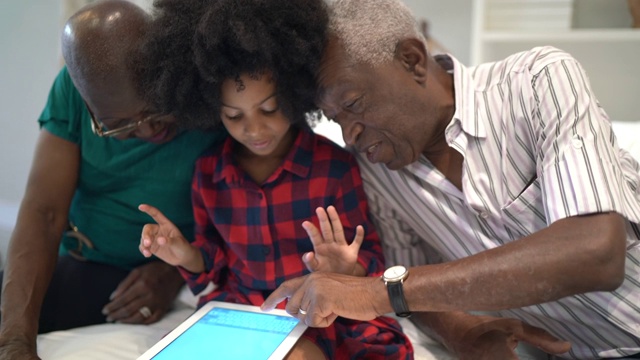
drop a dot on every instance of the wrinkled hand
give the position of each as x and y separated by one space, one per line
154 285
17 350
496 338
325 296
332 253
163 239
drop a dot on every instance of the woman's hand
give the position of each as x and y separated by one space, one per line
145 295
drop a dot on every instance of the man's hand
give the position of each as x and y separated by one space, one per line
331 252
325 296
153 286
480 337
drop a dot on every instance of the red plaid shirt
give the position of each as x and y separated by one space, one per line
251 235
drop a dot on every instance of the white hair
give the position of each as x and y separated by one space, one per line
371 29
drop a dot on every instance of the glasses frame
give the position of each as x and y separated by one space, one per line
98 127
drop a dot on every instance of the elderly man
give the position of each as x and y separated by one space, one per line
506 178
101 152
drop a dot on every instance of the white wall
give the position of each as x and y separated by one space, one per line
449 23
29 62
601 14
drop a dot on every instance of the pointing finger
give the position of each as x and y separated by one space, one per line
156 214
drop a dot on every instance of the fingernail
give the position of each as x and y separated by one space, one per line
113 294
105 311
109 319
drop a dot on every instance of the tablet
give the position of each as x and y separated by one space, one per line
229 331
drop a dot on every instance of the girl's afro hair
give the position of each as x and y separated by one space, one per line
197 44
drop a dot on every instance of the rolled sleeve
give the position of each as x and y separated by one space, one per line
578 158
584 181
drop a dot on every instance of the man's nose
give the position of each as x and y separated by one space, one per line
351 130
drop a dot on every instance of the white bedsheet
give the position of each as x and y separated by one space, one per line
126 342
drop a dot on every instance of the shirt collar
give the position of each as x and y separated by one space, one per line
298 161
465 97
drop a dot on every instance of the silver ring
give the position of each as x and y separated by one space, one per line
303 312
145 311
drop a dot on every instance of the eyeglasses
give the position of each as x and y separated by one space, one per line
83 241
101 130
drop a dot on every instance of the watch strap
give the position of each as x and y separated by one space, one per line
396 297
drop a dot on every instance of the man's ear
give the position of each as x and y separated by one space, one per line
412 54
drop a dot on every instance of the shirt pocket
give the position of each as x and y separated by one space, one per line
525 214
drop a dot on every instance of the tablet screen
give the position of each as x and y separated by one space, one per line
227 333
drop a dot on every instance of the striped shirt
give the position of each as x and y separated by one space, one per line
537 148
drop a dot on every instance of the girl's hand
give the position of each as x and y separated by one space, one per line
331 252
163 239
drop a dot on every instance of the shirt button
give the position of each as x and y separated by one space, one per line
576 142
484 214
266 250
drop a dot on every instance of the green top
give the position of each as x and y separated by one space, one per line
118 175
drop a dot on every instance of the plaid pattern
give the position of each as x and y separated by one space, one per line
252 240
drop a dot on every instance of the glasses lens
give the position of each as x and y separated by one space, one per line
101 130
126 128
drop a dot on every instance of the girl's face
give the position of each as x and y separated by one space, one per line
251 114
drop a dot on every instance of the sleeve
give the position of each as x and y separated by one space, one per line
578 160
207 240
65 110
351 204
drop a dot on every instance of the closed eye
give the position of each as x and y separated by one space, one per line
233 117
353 105
270 111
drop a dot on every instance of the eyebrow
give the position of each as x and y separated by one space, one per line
260 103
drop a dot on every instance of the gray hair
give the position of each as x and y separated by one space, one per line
371 29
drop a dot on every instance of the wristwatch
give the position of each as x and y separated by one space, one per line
393 278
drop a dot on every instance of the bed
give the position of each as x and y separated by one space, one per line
126 342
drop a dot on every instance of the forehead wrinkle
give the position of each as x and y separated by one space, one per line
346 80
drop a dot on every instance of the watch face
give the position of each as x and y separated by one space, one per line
395 273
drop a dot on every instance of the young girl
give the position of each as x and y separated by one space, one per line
253 195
